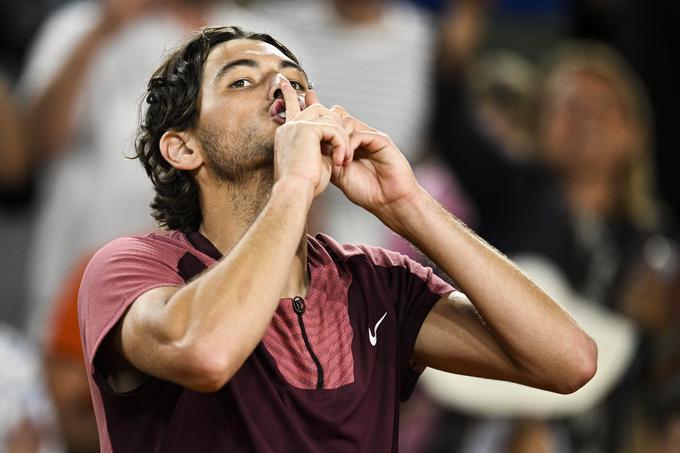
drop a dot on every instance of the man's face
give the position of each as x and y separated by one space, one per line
241 106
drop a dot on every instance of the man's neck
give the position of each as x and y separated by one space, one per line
230 211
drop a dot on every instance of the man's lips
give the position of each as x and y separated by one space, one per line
278 109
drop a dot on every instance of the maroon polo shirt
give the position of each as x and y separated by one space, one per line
327 376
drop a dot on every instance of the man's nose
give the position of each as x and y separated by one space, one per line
275 88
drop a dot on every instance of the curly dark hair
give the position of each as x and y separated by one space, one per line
172 104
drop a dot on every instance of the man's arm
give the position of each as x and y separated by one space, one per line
512 330
200 334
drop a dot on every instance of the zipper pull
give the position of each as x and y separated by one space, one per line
298 305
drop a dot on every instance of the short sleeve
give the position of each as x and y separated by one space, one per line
414 290
114 278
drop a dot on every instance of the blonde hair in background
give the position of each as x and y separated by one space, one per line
636 197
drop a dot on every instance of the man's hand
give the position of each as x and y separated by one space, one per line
310 143
379 178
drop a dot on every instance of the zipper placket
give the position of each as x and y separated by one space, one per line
299 309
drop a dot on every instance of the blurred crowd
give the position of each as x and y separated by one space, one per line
548 127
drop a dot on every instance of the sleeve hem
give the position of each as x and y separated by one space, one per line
116 317
413 369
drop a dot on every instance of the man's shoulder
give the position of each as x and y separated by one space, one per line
152 239
125 267
157 243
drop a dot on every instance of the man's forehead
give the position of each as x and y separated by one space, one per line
241 48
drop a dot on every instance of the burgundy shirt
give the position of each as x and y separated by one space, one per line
327 376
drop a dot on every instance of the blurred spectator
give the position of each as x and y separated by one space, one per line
586 203
593 169
83 82
65 370
27 419
373 57
594 132
19 21
15 209
642 32
15 155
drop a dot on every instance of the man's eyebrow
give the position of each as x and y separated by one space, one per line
291 64
233 64
285 64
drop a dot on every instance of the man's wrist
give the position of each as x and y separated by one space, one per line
406 219
294 189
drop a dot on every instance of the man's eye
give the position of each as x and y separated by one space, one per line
297 85
240 83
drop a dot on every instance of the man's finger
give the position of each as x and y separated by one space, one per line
340 110
341 155
359 125
361 134
340 142
319 111
336 137
370 141
311 98
349 128
290 97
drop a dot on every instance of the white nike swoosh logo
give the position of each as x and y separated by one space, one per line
373 336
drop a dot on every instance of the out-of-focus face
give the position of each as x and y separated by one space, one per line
241 105
585 127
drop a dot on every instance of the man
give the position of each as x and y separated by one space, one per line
288 342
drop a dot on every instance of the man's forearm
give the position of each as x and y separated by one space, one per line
537 335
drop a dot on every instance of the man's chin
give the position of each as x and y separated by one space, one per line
259 165
241 157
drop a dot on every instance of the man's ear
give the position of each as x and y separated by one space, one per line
179 148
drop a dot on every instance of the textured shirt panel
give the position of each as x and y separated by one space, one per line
379 256
411 289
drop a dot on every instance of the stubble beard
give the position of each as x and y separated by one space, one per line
245 164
